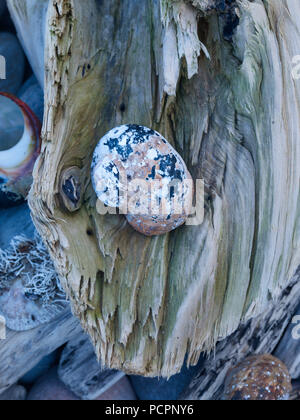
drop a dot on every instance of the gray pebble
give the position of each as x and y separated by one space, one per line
14 222
163 389
40 369
50 388
11 118
11 50
29 82
32 94
2 6
11 123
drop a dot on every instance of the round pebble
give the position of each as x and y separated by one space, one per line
50 388
12 52
32 94
120 391
258 378
40 369
11 123
136 169
2 7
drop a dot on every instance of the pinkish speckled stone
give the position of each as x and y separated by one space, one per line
135 169
258 378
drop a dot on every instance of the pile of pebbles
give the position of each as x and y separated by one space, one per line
19 81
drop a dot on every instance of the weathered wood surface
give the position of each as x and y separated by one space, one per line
259 336
234 117
21 351
14 393
296 391
82 373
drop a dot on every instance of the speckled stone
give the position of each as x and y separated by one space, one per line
258 378
138 162
11 49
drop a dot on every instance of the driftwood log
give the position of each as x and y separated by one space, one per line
80 371
216 79
269 333
22 351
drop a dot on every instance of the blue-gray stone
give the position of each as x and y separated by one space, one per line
32 94
2 6
11 50
11 123
32 80
163 389
15 221
40 369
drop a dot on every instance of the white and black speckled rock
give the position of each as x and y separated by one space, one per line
136 166
11 49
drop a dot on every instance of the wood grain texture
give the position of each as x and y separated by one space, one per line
82 373
21 351
234 117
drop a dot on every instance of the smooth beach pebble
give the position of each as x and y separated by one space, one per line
135 169
11 50
32 94
120 391
50 388
11 123
2 6
261 377
17 162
